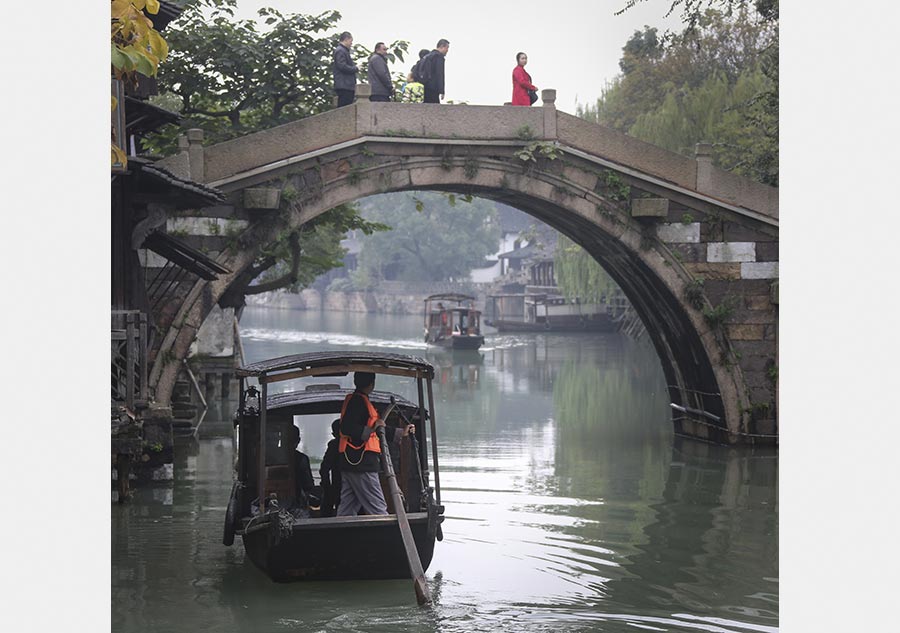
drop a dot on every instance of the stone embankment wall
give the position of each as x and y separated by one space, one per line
390 298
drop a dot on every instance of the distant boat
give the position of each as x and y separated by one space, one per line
547 313
454 327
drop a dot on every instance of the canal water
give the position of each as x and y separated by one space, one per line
570 505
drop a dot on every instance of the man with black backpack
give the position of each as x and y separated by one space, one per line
431 72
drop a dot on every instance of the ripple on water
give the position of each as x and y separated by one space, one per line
329 338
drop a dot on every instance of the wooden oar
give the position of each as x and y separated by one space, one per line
423 594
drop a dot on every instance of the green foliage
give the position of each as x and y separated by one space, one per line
136 47
716 82
693 293
470 168
525 133
320 248
233 77
718 316
687 218
614 187
401 132
578 275
772 372
155 447
434 238
538 149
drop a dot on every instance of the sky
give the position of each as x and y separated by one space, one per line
573 46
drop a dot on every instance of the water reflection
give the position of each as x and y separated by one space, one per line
570 507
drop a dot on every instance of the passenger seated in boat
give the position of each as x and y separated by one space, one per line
330 474
306 489
359 450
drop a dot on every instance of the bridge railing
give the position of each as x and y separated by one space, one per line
128 365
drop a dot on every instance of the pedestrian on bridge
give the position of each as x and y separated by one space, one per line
344 70
524 92
431 72
379 76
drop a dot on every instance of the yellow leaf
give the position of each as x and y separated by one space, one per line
158 45
120 8
117 156
152 6
115 102
139 4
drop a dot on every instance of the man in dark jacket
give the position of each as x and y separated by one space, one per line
432 72
344 70
330 473
305 491
379 77
359 450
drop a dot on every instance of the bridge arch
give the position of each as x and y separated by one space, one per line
639 211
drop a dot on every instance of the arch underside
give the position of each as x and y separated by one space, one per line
644 268
689 374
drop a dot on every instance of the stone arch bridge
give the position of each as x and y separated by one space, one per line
694 248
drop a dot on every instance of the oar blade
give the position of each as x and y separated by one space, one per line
423 594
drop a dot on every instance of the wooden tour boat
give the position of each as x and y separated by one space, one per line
455 327
289 542
547 313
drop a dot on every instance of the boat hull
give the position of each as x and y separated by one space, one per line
555 325
341 548
461 342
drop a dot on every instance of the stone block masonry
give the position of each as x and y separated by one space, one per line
679 233
731 252
759 270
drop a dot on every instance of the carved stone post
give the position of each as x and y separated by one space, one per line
195 154
363 109
548 100
703 154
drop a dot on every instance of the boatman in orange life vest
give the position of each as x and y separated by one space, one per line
360 450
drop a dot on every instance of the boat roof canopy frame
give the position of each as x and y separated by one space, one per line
450 296
336 364
327 401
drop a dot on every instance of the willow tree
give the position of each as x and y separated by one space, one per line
578 275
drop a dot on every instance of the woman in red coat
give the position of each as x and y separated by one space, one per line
521 82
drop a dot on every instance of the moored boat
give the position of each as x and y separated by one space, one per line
287 538
546 313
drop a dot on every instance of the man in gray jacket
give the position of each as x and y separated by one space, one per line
344 70
379 77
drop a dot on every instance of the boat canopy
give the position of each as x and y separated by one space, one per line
450 296
336 364
328 400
